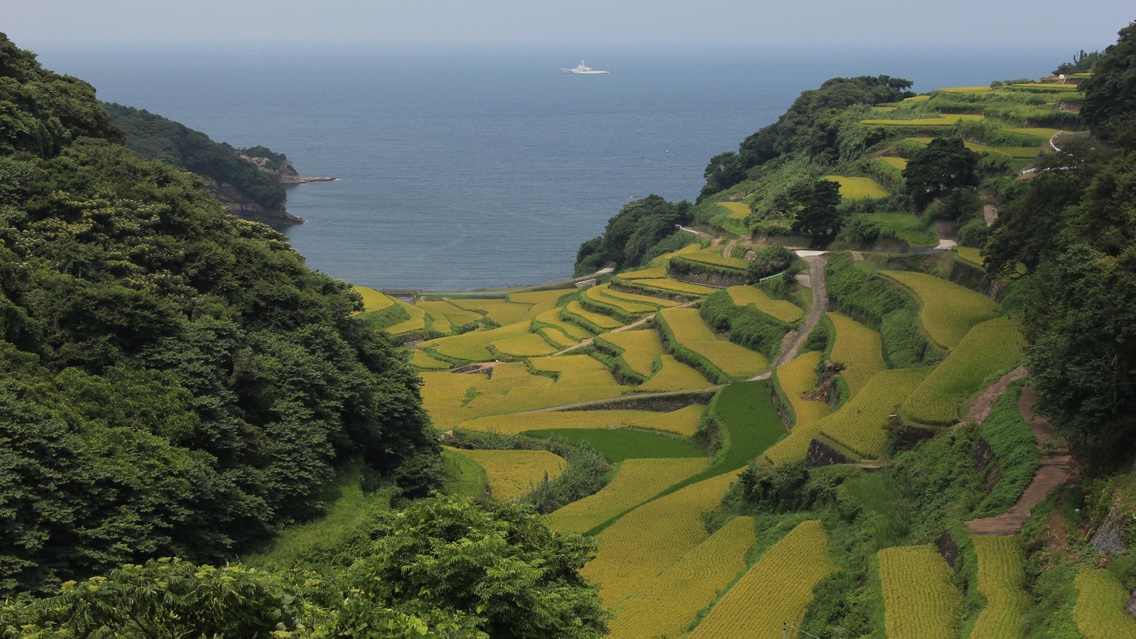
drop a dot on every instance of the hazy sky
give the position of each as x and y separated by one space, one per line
1089 24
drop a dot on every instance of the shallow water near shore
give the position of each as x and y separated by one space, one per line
463 169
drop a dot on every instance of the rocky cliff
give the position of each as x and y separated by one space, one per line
244 207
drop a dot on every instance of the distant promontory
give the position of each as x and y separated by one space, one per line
248 182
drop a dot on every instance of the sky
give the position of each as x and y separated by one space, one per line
1087 24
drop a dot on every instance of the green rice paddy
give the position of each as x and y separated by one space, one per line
620 444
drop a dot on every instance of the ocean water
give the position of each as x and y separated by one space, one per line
461 169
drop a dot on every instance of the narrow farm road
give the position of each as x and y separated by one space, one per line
820 307
1057 467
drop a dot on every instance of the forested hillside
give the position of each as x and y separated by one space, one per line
176 381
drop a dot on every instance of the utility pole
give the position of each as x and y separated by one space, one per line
784 629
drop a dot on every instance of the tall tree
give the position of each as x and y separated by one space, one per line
943 165
1110 94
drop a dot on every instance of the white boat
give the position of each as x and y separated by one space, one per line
583 69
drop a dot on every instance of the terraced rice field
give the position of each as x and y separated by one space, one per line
796 378
456 315
1023 152
558 337
991 347
668 605
683 421
575 370
1099 611
421 359
621 444
673 375
737 362
514 473
860 350
858 424
1040 132
899 163
675 286
416 322
452 399
782 310
949 310
640 349
971 255
858 188
648 540
594 319
777 589
691 332
539 301
944 120
715 259
372 300
637 481
920 599
552 318
1001 580
643 299
527 345
738 210
601 295
687 325
966 90
654 272
501 311
693 247
472 346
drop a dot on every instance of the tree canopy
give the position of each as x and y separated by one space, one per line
1071 229
944 165
630 235
175 380
444 567
1110 94
810 127
156 138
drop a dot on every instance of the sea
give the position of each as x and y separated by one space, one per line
467 168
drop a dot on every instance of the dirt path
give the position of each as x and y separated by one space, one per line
820 307
982 406
1057 467
729 248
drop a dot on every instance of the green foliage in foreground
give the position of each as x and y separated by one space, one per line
440 568
176 381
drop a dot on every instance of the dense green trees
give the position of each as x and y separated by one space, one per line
1110 94
810 127
813 207
1072 228
173 381
156 138
439 568
941 167
629 235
